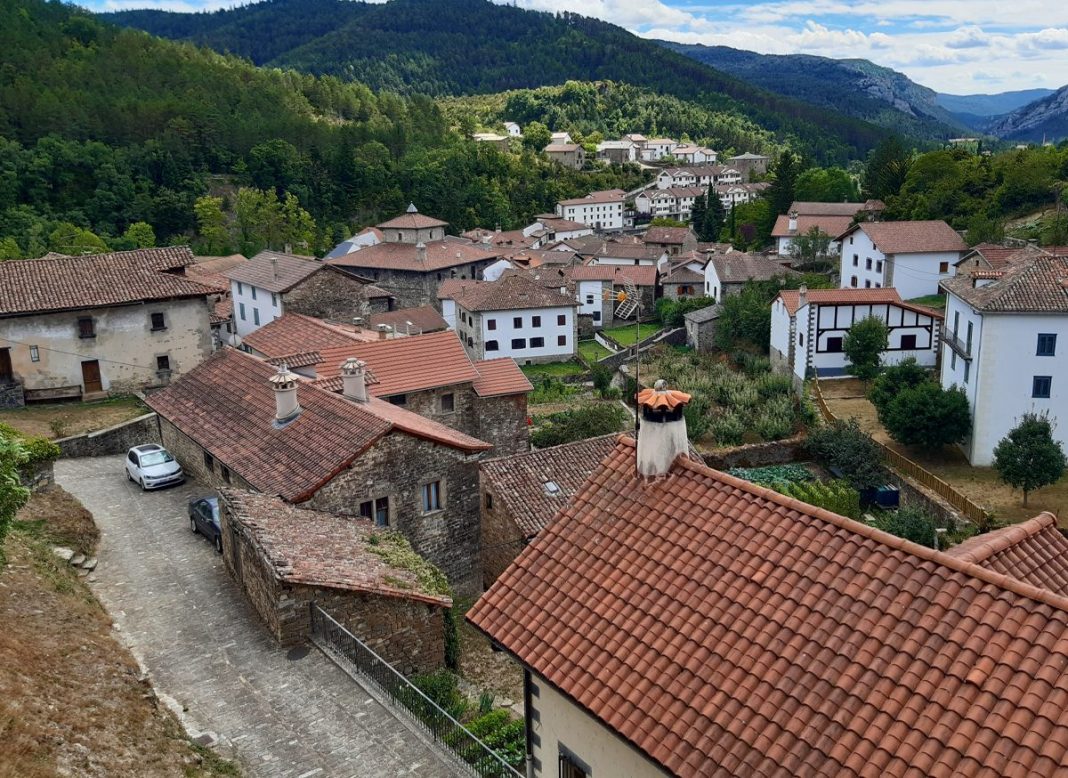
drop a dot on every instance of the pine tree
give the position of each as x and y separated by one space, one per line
715 217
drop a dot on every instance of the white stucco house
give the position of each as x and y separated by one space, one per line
914 257
515 316
727 274
513 129
602 210
655 149
809 326
789 226
673 203
1005 343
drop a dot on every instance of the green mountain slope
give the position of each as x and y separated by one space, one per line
1043 120
453 47
988 105
854 87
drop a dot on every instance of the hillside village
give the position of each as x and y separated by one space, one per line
688 462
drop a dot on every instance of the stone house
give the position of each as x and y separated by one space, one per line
701 328
521 494
791 225
672 240
285 558
88 326
415 256
238 421
570 155
682 278
750 164
675 620
499 142
618 152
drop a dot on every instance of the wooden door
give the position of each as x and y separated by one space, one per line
6 374
91 377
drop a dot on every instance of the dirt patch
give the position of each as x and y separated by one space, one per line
64 520
72 701
58 420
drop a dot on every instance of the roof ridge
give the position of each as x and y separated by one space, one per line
1013 585
533 451
1002 539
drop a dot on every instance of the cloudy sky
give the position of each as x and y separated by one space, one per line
958 46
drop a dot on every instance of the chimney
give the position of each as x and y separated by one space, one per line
486 239
383 331
284 384
354 379
357 323
274 267
793 221
662 436
420 252
802 296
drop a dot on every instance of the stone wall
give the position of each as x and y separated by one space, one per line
12 396
331 294
501 538
398 466
38 477
777 452
112 440
414 289
914 495
502 421
190 456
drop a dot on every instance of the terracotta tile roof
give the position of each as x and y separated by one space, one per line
739 267
423 319
675 236
539 257
724 629
1035 552
560 224
831 225
682 274
614 250
215 264
96 281
911 237
402 365
226 405
440 254
223 311
518 482
412 220
806 208
511 292
314 548
1035 285
293 332
299 359
274 271
498 377
641 275
600 196
791 297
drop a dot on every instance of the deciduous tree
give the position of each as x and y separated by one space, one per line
864 345
928 415
1029 457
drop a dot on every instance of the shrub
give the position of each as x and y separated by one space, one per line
1029 457
440 687
845 447
775 419
37 449
13 495
836 496
909 523
602 378
928 415
769 476
579 424
864 344
728 428
904 375
696 415
551 390
672 312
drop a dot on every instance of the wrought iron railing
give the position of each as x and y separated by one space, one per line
352 653
963 349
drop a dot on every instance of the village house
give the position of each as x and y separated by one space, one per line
570 155
486 399
409 321
996 256
286 558
808 328
655 149
635 253
555 228
414 257
788 227
238 421
692 154
736 194
1004 344
750 164
272 283
913 257
500 142
618 152
701 328
83 327
600 210
368 236
521 494
701 175
681 279
675 620
674 203
208 270
513 130
597 288
515 316
560 137
727 274
673 240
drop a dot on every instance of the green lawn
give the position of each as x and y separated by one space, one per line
625 335
930 300
592 351
553 369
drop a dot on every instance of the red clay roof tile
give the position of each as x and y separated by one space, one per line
498 377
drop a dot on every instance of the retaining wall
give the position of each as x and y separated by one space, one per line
111 440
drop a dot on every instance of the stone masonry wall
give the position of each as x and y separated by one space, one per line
777 452
112 440
398 466
501 539
12 396
329 294
190 456
502 421
414 289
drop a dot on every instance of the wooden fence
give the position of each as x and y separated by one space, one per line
907 467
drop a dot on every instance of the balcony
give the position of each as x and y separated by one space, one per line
962 349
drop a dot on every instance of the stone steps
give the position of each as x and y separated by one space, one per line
80 562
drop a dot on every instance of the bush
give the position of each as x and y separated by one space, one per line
1029 457
602 378
37 449
728 428
904 375
836 496
773 474
909 523
864 344
579 424
928 415
551 390
845 447
442 688
672 312
775 418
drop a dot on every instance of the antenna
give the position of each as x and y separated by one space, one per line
630 303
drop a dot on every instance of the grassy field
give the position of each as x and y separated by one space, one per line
625 335
930 300
553 369
58 420
592 351
847 400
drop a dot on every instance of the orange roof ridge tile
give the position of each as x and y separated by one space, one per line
980 547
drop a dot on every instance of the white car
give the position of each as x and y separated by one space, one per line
153 466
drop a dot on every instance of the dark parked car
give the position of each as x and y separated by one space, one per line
204 518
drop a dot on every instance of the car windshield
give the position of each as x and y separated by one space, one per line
156 458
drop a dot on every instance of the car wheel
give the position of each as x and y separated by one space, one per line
218 543
193 524
141 481
128 476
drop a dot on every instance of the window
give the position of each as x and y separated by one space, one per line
535 321
561 340
537 342
856 260
908 342
377 510
448 402
953 360
398 399
956 322
35 354
86 327
589 299
867 284
519 343
967 370
225 471
492 345
255 315
834 345
253 292
968 344
1047 345
163 362
209 462
879 266
517 322
489 501
241 311
570 766
867 264
432 497
853 281
801 339
240 288
274 299
1041 386
596 317
159 322
561 320
491 324
943 267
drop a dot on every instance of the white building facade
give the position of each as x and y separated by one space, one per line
602 210
912 257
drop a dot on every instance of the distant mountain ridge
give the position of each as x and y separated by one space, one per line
1045 119
855 87
988 105
464 47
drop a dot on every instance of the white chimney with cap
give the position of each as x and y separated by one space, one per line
662 436
802 296
284 384
354 379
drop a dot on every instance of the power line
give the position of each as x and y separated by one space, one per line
76 354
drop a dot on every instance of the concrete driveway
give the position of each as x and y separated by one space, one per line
202 644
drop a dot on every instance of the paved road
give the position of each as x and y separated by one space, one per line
187 623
